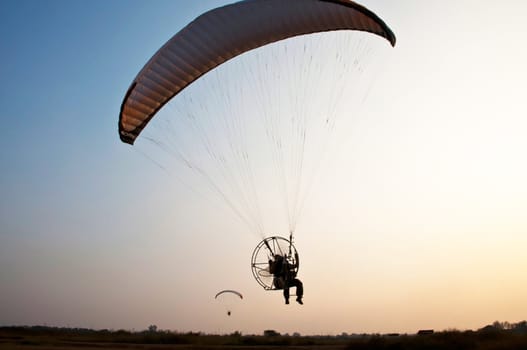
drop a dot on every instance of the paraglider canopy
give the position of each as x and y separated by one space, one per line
226 32
229 291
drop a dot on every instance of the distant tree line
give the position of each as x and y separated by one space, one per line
495 336
520 327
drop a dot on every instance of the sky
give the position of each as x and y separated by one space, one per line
417 221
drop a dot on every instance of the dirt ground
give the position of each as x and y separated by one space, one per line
113 346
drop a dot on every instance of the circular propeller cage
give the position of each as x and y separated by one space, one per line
265 251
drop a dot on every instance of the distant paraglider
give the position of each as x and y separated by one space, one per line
229 298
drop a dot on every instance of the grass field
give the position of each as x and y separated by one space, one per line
51 338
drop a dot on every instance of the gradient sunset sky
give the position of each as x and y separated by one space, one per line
419 220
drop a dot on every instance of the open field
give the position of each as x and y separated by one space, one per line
50 338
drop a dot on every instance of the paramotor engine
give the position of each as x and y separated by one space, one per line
265 251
